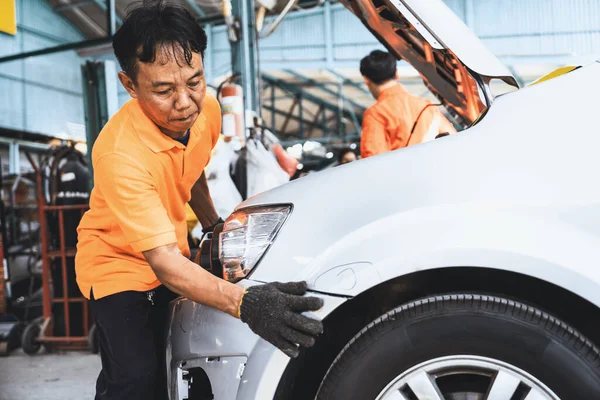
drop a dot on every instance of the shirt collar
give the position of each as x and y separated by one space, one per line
152 137
196 131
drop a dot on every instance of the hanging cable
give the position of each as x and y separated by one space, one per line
418 118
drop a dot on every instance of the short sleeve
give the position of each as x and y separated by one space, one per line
130 194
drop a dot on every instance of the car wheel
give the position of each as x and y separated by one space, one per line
465 346
29 338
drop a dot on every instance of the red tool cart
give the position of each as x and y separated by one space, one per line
66 322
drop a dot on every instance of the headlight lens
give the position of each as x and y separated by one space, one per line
246 237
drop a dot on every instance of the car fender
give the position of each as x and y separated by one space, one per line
524 240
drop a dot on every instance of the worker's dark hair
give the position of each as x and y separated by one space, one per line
379 66
343 152
150 24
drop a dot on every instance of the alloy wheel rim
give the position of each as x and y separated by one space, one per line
465 377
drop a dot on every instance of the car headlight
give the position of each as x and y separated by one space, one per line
246 237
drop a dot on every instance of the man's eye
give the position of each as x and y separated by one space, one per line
164 92
193 84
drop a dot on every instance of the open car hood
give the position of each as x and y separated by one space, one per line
453 62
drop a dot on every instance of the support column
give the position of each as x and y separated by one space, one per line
111 18
209 54
328 35
273 105
100 99
341 128
301 115
245 53
14 158
470 15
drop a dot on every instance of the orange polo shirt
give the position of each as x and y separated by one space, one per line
387 123
143 181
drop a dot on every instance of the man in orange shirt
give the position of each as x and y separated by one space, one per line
132 253
398 119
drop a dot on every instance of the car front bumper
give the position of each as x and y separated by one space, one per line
238 364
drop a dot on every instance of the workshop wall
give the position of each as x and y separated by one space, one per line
558 31
41 94
44 94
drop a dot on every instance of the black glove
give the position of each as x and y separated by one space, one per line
273 310
212 227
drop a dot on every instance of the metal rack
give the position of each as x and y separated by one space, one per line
42 332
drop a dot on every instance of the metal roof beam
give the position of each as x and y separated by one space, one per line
347 81
111 19
83 17
199 11
110 8
75 5
293 117
322 87
100 3
63 47
306 95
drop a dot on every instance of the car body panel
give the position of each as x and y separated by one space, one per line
518 170
238 363
452 34
517 192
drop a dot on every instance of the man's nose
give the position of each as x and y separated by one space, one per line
183 101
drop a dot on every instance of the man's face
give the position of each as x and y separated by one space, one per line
170 92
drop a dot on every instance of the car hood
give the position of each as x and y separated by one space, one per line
516 157
450 58
515 153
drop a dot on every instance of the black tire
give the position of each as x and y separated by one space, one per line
464 324
93 340
29 338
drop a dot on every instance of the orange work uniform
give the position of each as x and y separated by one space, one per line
143 180
387 124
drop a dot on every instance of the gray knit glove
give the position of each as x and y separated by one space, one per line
273 311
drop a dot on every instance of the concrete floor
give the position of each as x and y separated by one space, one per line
60 376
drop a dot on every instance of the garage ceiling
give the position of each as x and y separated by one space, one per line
89 16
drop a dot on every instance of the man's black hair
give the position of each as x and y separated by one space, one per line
379 66
150 24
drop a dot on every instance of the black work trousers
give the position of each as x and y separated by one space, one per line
131 329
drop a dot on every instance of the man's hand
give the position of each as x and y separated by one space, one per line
273 311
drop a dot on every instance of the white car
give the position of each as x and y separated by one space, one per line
467 267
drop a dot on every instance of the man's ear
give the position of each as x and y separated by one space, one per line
367 80
127 84
397 75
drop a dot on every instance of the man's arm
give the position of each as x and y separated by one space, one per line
188 279
202 204
273 310
373 139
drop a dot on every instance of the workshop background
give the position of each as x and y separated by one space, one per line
303 96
